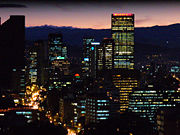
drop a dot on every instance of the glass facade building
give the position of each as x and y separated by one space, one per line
125 81
122 27
97 108
32 67
58 62
105 54
93 51
37 62
146 100
124 76
86 55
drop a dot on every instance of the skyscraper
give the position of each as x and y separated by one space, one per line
86 55
32 66
37 64
125 81
58 63
93 58
105 54
124 76
12 44
122 26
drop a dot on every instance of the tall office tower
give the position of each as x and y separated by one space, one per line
58 62
79 88
42 57
93 58
12 44
123 34
124 77
105 54
125 81
86 55
37 72
32 66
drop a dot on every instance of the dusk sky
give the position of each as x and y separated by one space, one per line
92 15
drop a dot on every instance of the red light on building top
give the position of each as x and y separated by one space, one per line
107 38
122 14
76 75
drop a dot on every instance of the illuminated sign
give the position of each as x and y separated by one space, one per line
107 38
95 43
122 14
59 57
77 75
86 59
92 48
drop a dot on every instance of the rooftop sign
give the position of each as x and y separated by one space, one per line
122 14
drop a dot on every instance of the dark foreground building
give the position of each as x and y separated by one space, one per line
12 40
168 121
124 124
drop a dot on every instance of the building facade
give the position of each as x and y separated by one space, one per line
105 54
86 55
37 64
122 26
12 47
58 61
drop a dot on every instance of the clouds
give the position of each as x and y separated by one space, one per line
12 6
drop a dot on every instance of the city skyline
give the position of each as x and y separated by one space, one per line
86 79
91 15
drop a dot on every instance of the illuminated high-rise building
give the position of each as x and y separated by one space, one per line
93 51
123 34
105 54
58 62
97 108
102 98
37 62
99 103
124 76
57 49
86 55
125 81
32 66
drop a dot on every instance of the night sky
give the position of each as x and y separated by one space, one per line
91 14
